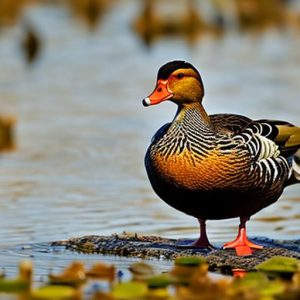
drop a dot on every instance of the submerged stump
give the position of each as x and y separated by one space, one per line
148 247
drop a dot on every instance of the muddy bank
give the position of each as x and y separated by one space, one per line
148 247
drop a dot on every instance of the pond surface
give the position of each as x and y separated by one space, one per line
82 131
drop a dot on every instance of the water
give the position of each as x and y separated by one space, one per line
82 131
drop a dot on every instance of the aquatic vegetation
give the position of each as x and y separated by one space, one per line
186 268
130 290
20 284
146 247
55 292
102 271
280 266
190 261
141 271
73 275
188 280
259 284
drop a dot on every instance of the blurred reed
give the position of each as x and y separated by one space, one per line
152 23
90 11
7 134
184 18
260 14
10 10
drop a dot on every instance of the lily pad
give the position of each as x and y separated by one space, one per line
260 283
190 261
130 290
280 266
102 271
13 285
160 281
73 275
141 271
54 292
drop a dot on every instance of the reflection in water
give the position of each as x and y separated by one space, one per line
82 131
90 11
10 10
155 22
7 136
31 44
260 14
188 18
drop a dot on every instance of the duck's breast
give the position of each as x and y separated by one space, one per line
189 169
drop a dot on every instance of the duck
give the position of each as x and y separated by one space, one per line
217 166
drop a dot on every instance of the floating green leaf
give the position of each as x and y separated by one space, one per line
272 288
160 281
130 290
54 292
279 265
191 261
260 283
141 271
13 285
252 279
73 275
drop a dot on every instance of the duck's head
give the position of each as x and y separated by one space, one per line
179 82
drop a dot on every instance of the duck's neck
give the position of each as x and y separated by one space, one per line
193 112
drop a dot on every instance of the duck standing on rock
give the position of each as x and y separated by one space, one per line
219 166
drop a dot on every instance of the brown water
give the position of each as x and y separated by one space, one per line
82 131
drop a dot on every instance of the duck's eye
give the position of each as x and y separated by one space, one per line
180 75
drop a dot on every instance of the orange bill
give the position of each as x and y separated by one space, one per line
161 93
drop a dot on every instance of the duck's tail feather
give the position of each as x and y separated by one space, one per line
295 172
288 137
296 166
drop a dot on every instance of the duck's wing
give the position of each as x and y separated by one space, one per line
285 136
229 122
272 142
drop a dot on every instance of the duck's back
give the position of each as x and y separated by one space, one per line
231 123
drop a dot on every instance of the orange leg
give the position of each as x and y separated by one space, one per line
203 241
241 244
